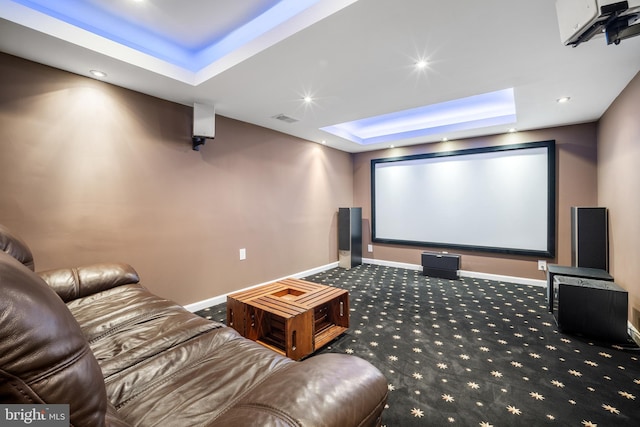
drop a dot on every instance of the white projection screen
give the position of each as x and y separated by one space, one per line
495 199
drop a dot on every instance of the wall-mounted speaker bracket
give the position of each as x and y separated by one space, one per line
197 141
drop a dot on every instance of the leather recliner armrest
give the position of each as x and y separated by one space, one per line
78 282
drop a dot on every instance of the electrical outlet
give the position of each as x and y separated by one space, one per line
542 265
370 248
243 254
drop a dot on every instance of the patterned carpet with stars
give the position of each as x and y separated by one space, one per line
475 352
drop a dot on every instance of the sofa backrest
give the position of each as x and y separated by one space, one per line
44 357
16 247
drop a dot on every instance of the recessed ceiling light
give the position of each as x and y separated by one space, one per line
473 112
323 142
444 139
307 99
98 73
512 130
421 64
392 146
563 99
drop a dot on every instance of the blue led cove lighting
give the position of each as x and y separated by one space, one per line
89 17
489 109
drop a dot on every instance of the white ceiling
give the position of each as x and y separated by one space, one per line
354 58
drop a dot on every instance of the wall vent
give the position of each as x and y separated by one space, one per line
284 118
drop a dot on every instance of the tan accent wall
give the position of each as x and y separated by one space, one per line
576 185
90 172
619 189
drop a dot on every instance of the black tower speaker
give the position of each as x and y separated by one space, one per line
349 237
589 238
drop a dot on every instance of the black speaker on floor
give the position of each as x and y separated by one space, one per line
349 237
589 237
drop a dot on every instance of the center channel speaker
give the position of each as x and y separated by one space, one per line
349 237
589 237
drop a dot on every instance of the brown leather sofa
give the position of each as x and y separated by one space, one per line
94 338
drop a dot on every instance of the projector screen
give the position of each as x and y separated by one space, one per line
495 199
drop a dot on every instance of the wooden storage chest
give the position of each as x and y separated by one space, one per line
293 317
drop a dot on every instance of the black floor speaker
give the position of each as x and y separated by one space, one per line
349 237
589 237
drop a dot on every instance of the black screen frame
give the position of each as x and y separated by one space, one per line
551 200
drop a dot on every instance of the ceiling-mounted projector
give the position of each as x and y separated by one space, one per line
580 20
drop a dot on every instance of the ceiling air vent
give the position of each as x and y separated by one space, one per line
284 118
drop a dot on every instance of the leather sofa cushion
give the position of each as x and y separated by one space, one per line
128 324
78 282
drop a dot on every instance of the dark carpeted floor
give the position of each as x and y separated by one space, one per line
476 352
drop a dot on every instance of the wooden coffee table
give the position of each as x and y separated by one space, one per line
293 317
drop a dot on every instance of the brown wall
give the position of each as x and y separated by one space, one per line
619 189
576 184
90 172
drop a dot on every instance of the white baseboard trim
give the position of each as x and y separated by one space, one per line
391 264
500 278
464 273
209 302
200 305
633 333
